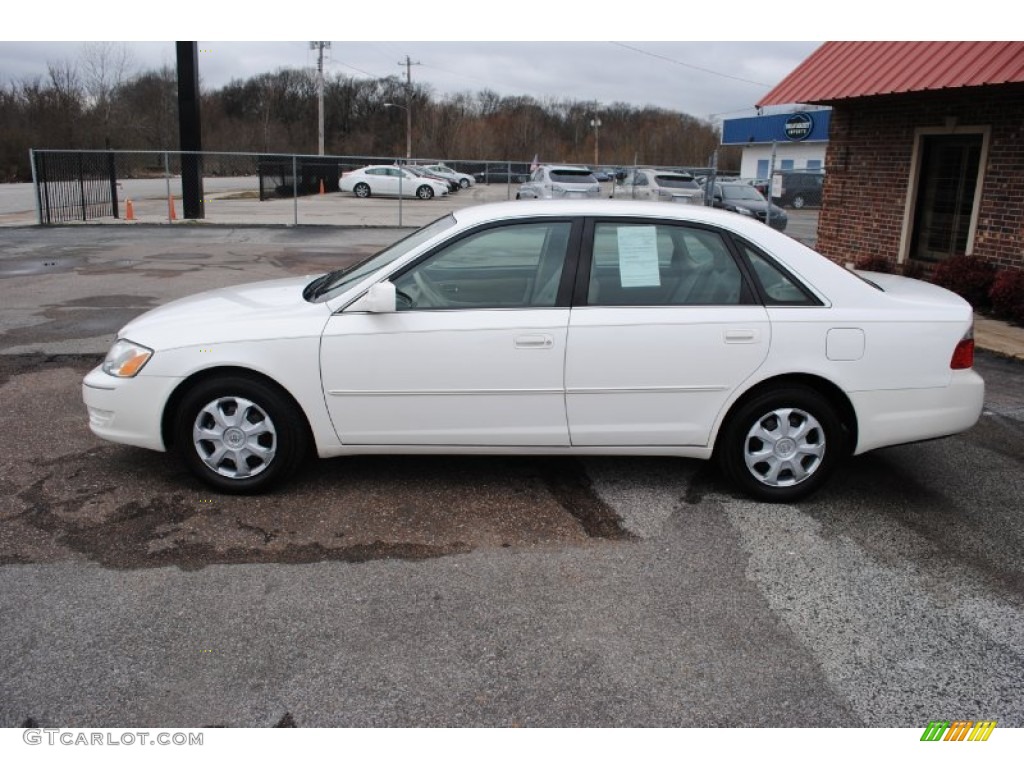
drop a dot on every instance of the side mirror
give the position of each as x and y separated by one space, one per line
379 299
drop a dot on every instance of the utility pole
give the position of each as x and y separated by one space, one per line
596 125
408 64
319 45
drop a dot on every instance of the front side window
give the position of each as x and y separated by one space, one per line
661 265
512 266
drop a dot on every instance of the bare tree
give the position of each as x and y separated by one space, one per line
105 68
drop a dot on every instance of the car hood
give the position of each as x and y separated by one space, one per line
265 310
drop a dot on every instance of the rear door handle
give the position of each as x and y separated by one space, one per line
534 341
741 336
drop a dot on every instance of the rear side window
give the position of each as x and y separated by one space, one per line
777 286
639 264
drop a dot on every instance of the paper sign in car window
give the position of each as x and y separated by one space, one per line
638 257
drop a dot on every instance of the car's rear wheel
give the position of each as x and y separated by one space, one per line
799 202
239 435
361 189
424 192
781 445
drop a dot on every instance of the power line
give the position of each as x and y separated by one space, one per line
690 66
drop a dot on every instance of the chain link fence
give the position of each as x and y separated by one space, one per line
239 188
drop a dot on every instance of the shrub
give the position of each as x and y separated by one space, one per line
914 269
968 276
1007 295
874 264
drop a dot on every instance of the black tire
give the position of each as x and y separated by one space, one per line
424 192
361 190
464 183
798 201
271 438
789 470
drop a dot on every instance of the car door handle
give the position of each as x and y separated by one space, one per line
534 341
741 336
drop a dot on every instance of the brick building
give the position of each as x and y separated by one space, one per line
925 158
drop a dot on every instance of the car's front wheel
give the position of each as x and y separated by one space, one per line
361 189
799 202
239 435
781 445
424 192
464 183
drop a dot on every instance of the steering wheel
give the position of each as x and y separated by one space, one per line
403 300
429 295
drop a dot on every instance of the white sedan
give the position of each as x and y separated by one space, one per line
390 181
564 328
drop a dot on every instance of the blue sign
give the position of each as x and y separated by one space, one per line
799 126
764 129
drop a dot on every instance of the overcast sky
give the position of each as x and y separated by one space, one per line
540 48
701 79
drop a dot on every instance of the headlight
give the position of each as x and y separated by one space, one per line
744 211
126 358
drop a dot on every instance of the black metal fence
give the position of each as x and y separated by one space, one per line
75 186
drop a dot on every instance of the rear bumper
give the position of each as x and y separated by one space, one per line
893 417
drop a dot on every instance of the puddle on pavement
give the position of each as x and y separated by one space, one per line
130 508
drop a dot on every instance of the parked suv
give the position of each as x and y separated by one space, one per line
558 182
667 186
800 189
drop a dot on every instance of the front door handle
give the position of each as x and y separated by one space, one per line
534 341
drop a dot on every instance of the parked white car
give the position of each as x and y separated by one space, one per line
567 328
390 181
560 182
663 186
464 180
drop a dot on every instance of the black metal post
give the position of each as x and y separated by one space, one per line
189 128
112 167
81 185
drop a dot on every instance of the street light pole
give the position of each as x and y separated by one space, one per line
596 125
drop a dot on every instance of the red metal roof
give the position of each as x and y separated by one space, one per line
847 70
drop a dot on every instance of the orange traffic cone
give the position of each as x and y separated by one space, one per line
129 211
321 186
170 209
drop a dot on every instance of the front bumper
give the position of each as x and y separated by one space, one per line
127 411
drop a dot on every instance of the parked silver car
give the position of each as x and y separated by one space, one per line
665 186
464 180
560 182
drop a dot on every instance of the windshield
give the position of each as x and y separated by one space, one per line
676 182
741 192
572 176
334 282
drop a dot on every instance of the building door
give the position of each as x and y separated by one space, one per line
945 196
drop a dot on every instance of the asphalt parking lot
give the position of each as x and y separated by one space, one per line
403 591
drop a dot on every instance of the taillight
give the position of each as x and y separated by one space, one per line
963 355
